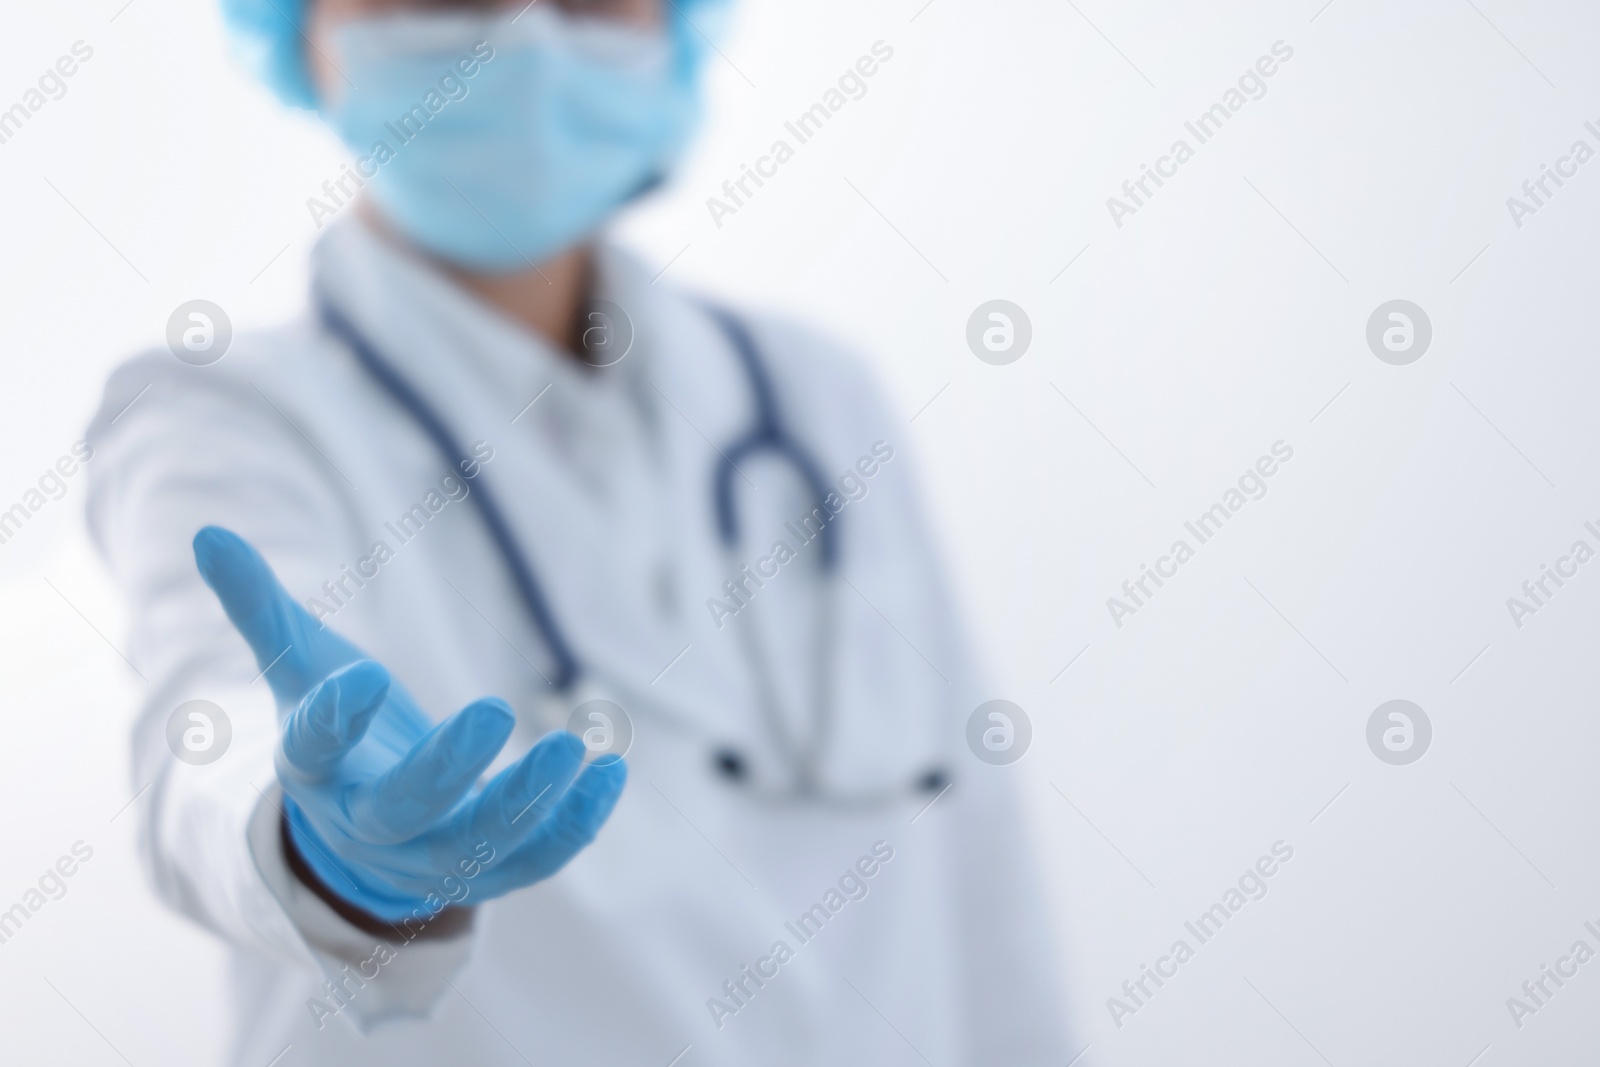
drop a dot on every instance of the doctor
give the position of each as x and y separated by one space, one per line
579 683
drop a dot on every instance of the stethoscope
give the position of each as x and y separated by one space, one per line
767 436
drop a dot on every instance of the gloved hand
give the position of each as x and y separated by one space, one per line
382 805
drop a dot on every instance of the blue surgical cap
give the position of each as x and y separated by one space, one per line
269 36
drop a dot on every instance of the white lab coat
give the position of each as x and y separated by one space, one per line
606 480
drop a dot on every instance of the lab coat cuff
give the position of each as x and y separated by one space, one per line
367 978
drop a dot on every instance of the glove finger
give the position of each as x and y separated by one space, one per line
334 716
293 650
567 830
432 778
512 805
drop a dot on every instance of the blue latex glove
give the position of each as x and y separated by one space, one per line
382 804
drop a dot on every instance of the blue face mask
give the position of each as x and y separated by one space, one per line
495 142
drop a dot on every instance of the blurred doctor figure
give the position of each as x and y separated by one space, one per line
497 491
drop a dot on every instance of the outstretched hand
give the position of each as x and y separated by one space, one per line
383 805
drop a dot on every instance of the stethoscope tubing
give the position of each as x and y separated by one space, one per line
567 669
766 435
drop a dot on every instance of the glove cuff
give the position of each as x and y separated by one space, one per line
344 891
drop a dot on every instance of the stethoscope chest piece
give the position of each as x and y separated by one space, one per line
730 765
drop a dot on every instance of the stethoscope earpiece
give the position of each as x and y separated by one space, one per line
730 764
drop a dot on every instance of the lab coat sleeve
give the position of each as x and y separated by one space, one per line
1014 997
373 979
176 448
1005 938
1008 949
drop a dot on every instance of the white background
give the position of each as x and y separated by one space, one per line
1171 353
